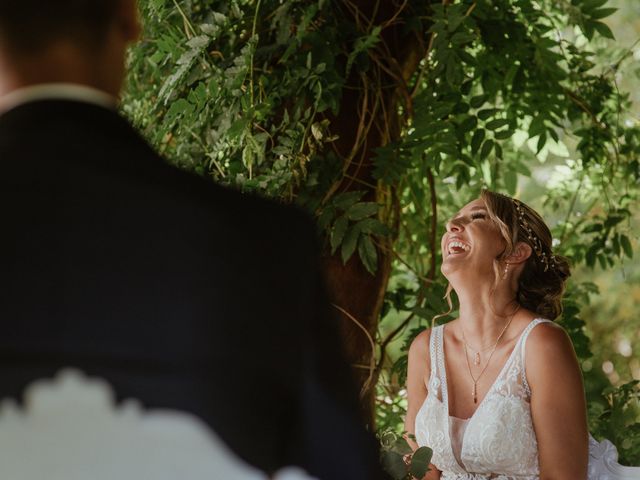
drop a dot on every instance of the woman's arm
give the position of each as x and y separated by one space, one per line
417 375
557 404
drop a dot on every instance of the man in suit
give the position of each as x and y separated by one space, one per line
180 293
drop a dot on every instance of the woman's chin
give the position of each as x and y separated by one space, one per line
449 268
456 269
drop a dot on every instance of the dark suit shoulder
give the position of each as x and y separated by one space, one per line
52 133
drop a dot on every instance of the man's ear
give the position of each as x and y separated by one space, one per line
128 20
521 253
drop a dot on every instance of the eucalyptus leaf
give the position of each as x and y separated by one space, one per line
394 465
478 100
476 140
604 30
487 146
542 140
362 210
420 462
345 200
487 113
469 124
373 226
349 244
602 13
626 246
337 233
503 134
590 256
497 123
368 254
511 181
326 217
460 38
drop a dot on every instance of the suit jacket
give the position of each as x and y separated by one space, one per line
182 294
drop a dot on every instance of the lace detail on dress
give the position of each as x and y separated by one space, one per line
499 441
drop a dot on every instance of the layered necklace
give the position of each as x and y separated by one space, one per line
476 354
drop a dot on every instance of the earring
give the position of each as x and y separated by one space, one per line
506 271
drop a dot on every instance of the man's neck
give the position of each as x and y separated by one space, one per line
59 64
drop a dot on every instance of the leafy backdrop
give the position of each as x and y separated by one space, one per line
383 117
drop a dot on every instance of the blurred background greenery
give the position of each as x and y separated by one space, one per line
613 317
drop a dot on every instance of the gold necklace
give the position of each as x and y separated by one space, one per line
476 353
475 380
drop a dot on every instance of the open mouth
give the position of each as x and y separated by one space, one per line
456 248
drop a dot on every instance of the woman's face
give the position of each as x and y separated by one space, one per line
471 243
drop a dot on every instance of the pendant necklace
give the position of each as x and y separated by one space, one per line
476 353
476 360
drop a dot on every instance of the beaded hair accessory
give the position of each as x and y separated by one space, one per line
546 260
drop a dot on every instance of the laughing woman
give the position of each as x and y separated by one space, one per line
497 393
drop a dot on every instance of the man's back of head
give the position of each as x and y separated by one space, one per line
29 26
78 41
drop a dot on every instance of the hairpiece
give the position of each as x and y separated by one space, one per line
546 260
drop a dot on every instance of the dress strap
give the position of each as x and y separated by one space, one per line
438 375
442 373
523 344
432 353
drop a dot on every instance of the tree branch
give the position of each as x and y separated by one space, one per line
434 224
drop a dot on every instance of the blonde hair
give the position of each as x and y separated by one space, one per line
542 281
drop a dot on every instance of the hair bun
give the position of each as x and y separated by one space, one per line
542 282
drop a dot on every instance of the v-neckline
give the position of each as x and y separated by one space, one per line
445 391
445 385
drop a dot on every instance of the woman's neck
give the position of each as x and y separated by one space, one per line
484 312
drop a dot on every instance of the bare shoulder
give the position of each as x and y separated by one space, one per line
418 367
420 344
548 338
549 349
419 356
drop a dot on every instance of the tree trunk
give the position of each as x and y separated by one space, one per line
373 103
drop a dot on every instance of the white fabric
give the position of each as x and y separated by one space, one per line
457 427
603 463
71 429
499 441
56 91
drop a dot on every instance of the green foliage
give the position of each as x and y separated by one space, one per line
246 92
399 460
209 88
616 420
351 223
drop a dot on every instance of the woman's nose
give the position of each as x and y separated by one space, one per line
454 226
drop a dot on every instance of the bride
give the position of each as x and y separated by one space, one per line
497 393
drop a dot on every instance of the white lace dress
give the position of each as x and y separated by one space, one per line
498 441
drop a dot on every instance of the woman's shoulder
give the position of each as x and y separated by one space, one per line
538 332
420 344
419 361
420 348
547 343
547 334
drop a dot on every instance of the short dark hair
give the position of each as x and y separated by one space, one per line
27 26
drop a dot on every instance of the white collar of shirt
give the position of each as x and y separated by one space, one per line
56 91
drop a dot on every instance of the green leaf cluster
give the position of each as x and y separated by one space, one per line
400 461
353 224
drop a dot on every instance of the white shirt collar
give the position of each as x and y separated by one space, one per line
56 91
